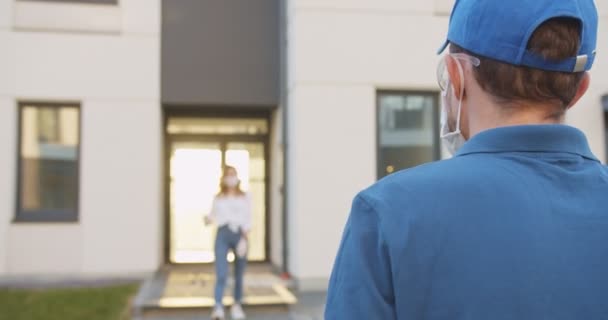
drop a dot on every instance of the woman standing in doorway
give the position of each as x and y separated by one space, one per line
231 212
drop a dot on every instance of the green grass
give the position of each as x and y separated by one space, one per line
106 303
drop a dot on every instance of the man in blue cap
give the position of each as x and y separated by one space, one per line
515 225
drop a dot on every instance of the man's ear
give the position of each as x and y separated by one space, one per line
455 76
582 89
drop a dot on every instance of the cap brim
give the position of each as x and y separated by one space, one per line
442 48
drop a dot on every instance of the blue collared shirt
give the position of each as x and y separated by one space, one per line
515 226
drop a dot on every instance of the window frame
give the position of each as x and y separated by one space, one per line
96 2
435 95
46 216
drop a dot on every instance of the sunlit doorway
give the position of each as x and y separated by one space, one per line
198 150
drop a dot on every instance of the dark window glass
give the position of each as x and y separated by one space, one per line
80 1
408 133
48 162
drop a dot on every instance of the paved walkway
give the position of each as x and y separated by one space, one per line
310 307
185 293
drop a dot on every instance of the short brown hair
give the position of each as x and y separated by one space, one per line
555 39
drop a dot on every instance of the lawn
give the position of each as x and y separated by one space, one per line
105 303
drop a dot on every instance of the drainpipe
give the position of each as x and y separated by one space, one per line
283 86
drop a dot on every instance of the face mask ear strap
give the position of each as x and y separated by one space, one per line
461 74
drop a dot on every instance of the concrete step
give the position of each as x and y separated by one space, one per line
190 289
310 306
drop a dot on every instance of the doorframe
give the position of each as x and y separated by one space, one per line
168 139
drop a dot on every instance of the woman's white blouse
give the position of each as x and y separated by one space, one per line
232 211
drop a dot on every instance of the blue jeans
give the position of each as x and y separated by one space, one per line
227 240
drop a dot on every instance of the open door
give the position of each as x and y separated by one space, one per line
195 167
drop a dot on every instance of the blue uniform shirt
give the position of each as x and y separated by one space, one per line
515 226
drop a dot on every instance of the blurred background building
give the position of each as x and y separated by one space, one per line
116 117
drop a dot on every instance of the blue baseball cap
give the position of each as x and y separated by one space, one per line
501 30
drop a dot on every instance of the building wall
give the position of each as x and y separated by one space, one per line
341 52
275 211
108 59
220 52
8 127
588 113
7 132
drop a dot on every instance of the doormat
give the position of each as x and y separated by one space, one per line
190 289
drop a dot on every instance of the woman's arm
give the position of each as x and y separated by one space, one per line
247 216
211 216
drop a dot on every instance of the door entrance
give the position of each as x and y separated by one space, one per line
195 168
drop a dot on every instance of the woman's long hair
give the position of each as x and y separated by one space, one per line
224 188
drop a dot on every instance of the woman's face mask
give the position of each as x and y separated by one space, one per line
231 181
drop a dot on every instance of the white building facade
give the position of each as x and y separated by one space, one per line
102 59
345 57
91 89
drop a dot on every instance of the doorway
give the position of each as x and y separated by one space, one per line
198 150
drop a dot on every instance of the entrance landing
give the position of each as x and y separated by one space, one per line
192 287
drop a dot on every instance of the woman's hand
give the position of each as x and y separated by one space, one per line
208 220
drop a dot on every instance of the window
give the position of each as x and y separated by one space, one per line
408 130
49 143
81 1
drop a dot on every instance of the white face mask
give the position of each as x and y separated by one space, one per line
231 181
453 140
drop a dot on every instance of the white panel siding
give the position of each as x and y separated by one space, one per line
387 6
7 65
374 49
66 17
602 8
5 14
334 158
45 249
121 191
8 128
60 66
116 78
141 16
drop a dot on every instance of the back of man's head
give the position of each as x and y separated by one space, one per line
530 52
510 85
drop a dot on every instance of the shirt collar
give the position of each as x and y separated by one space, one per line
530 138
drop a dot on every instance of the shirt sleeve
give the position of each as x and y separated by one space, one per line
247 217
213 212
361 282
